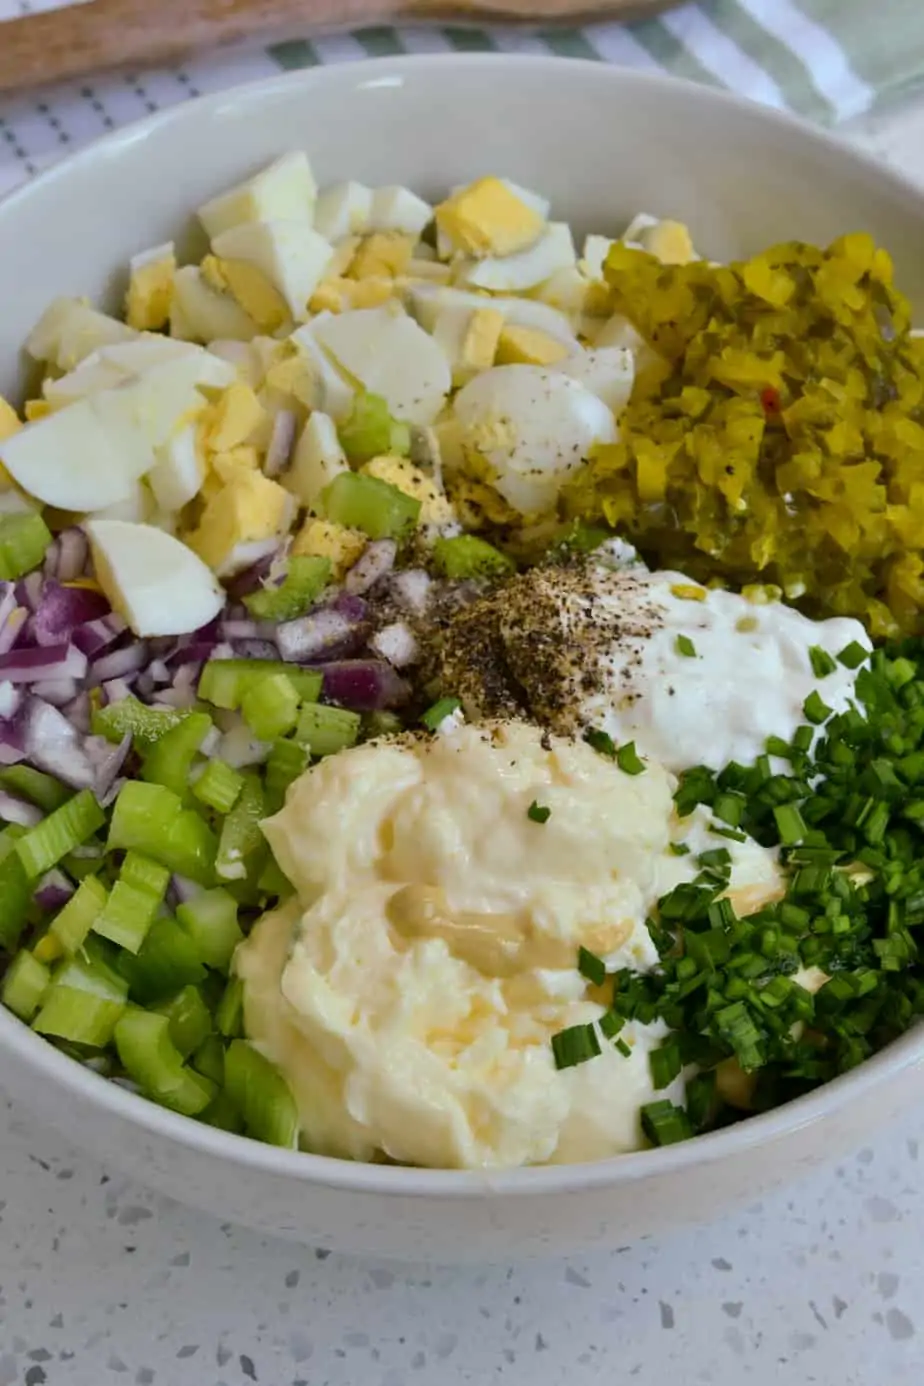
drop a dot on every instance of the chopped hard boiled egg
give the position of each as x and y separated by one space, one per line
286 189
150 288
609 372
250 287
236 418
488 218
200 313
391 356
327 387
384 254
427 301
249 509
554 250
317 459
343 210
398 209
291 255
529 347
525 429
150 578
435 509
669 241
9 420
69 330
469 337
178 474
324 539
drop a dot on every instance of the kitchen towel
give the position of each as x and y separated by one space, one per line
825 59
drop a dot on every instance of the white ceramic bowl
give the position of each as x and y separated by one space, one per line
603 144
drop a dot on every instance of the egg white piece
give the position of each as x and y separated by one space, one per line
428 301
158 584
534 427
177 476
199 313
317 459
331 391
609 372
69 330
398 209
290 253
343 210
593 257
286 189
554 250
390 355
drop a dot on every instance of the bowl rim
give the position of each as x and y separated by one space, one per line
764 1130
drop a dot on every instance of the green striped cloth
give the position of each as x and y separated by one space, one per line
826 59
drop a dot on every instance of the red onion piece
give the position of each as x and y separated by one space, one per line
249 579
364 685
11 699
323 632
14 810
49 662
53 890
377 559
58 692
181 890
29 590
73 554
114 690
78 713
13 628
255 649
62 609
281 443
107 760
53 745
411 589
247 630
95 636
129 660
396 643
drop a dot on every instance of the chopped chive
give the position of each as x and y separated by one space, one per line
789 824
628 759
665 1064
575 1045
730 808
679 849
591 967
684 646
610 1024
538 813
816 709
438 713
665 1124
601 742
624 1049
731 833
853 655
823 664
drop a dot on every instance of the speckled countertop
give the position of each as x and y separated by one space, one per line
101 1282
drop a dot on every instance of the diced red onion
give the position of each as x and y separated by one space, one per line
411 589
247 630
53 890
107 761
15 810
377 559
396 643
249 579
43 663
94 636
364 685
107 799
29 590
255 649
281 443
181 890
78 712
13 628
240 748
323 632
58 692
62 609
351 606
54 745
143 683
114 690
185 684
67 556
10 700
116 665
158 671
7 601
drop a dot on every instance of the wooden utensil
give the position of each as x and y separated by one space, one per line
100 35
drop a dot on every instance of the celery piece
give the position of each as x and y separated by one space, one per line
467 556
83 1003
223 1115
218 786
85 860
209 1059
169 760
190 1020
24 985
145 874
261 1095
40 789
377 724
274 881
150 818
286 763
325 730
15 897
127 916
364 502
43 846
229 1015
240 832
149 1056
74 920
24 537
144 724
305 580
47 949
224 682
370 431
210 921
166 962
270 707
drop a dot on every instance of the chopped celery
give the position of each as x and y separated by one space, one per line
24 985
210 921
74 920
153 1061
86 859
218 786
15 896
145 874
223 1115
274 881
305 580
83 1003
364 502
376 724
190 1020
24 537
209 1059
150 818
229 1015
166 962
144 724
287 761
261 1095
47 949
43 846
127 916
467 556
240 832
224 682
270 706
43 790
169 760
325 730
370 431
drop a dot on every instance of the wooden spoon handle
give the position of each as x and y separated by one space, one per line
106 34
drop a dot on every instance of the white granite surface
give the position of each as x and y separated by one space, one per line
101 1282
